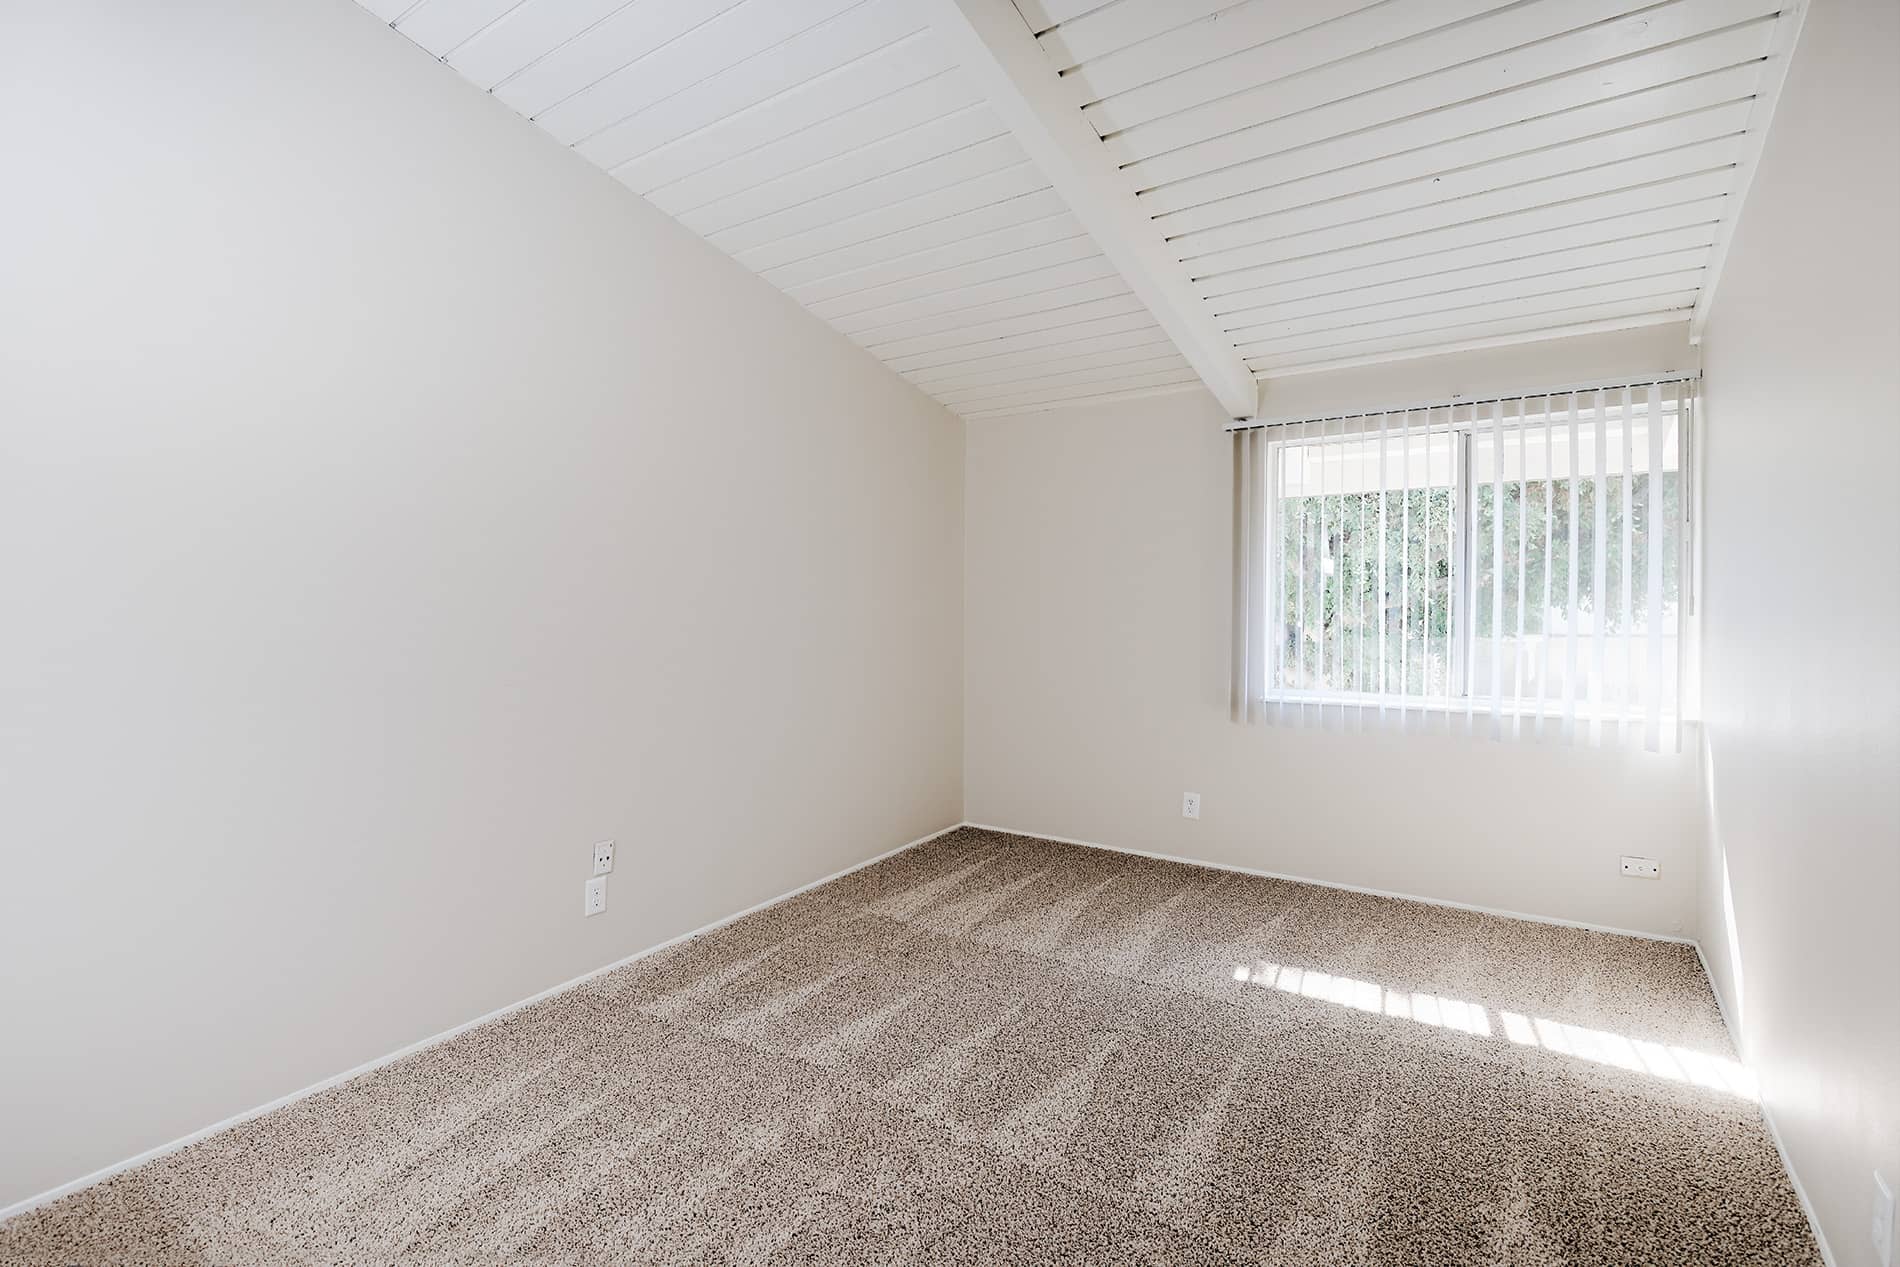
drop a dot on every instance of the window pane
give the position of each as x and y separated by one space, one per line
1537 661
1366 581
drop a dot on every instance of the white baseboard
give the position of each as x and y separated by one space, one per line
153 1154
1334 884
1768 1116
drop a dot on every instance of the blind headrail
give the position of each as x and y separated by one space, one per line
1611 384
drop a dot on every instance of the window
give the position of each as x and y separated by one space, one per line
1520 560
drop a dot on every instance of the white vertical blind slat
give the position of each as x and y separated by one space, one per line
1244 598
1359 590
1521 434
1653 575
1257 533
1469 512
1405 563
1497 567
1543 571
1385 575
1600 566
1685 551
1570 611
1425 514
1626 696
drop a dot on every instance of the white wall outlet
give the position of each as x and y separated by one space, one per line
596 899
1883 1221
603 857
1190 805
1642 868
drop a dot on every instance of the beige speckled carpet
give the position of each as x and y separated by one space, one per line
996 1050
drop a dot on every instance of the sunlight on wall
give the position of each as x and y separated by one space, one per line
1677 1064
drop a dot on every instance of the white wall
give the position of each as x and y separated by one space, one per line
391 506
1802 619
1098 616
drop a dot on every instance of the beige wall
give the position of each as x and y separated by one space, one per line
1802 620
390 507
1098 617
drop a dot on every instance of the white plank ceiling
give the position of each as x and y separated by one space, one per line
1339 182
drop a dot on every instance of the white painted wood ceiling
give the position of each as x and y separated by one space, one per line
1337 182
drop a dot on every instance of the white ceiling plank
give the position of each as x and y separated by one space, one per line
1322 63
1691 188
1043 353
1638 295
959 277
989 40
950 378
946 302
388 10
1468 150
930 265
1057 394
1439 90
985 285
835 141
1227 33
526 34
1549 168
1040 15
1031 295
848 181
1736 51
1680 270
1774 73
927 206
1008 382
1318 276
1118 26
704 76
1028 323
1016 306
1075 402
629 33
907 243
1059 336
1500 334
895 66
1554 191
443 25
1684 243
1519 44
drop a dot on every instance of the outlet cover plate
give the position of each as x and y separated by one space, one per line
603 857
1190 805
595 899
1641 868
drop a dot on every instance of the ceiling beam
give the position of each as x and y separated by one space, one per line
992 43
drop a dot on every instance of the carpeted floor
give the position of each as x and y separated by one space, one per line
995 1050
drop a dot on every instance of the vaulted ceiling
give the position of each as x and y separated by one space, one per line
1017 206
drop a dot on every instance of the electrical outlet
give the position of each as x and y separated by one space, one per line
596 896
1642 868
1190 805
1883 1221
603 857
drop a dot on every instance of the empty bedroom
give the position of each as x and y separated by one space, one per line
988 632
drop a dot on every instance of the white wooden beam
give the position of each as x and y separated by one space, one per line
1767 94
996 47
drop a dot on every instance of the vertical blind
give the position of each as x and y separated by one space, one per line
1513 567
